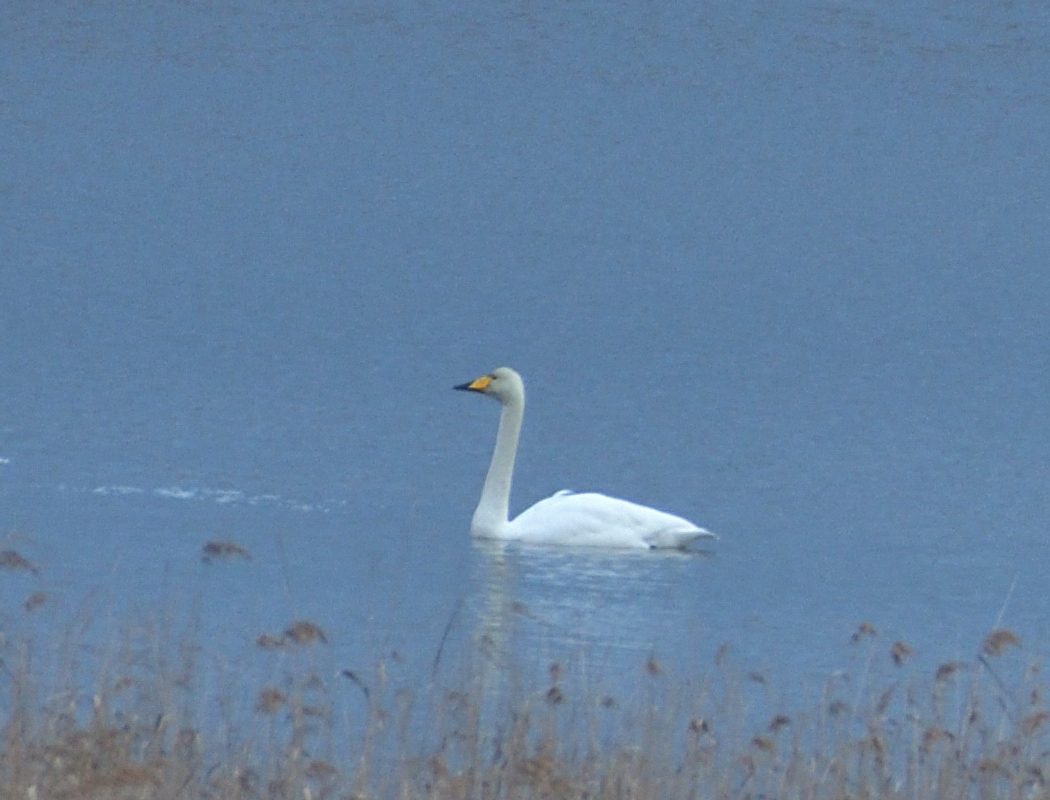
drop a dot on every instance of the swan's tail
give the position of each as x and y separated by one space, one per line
680 538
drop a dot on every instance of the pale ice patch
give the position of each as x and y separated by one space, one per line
220 496
264 498
233 496
177 493
224 496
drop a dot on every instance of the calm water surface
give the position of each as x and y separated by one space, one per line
778 268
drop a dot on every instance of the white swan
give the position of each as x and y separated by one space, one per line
589 519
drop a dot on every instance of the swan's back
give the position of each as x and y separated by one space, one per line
596 520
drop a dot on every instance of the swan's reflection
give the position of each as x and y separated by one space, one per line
612 609
573 630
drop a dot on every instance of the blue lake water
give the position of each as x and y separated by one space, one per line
777 268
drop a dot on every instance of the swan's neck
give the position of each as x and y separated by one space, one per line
491 516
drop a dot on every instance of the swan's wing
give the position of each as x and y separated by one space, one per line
596 520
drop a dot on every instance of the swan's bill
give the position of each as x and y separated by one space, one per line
476 385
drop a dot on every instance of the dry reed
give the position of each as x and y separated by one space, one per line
126 724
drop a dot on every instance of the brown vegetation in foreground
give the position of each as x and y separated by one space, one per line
966 735
964 729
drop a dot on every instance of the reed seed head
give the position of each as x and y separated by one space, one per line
947 670
270 700
864 630
219 549
34 601
266 641
305 633
933 735
763 743
901 652
13 560
320 770
996 643
1034 722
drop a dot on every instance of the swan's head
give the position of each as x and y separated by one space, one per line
502 384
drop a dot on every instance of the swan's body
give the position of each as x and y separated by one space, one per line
590 519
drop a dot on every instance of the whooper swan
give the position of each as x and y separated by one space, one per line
590 519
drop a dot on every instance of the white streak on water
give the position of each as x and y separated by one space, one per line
226 497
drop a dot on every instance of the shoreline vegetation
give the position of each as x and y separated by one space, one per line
143 718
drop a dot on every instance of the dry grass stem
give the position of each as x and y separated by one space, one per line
143 719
